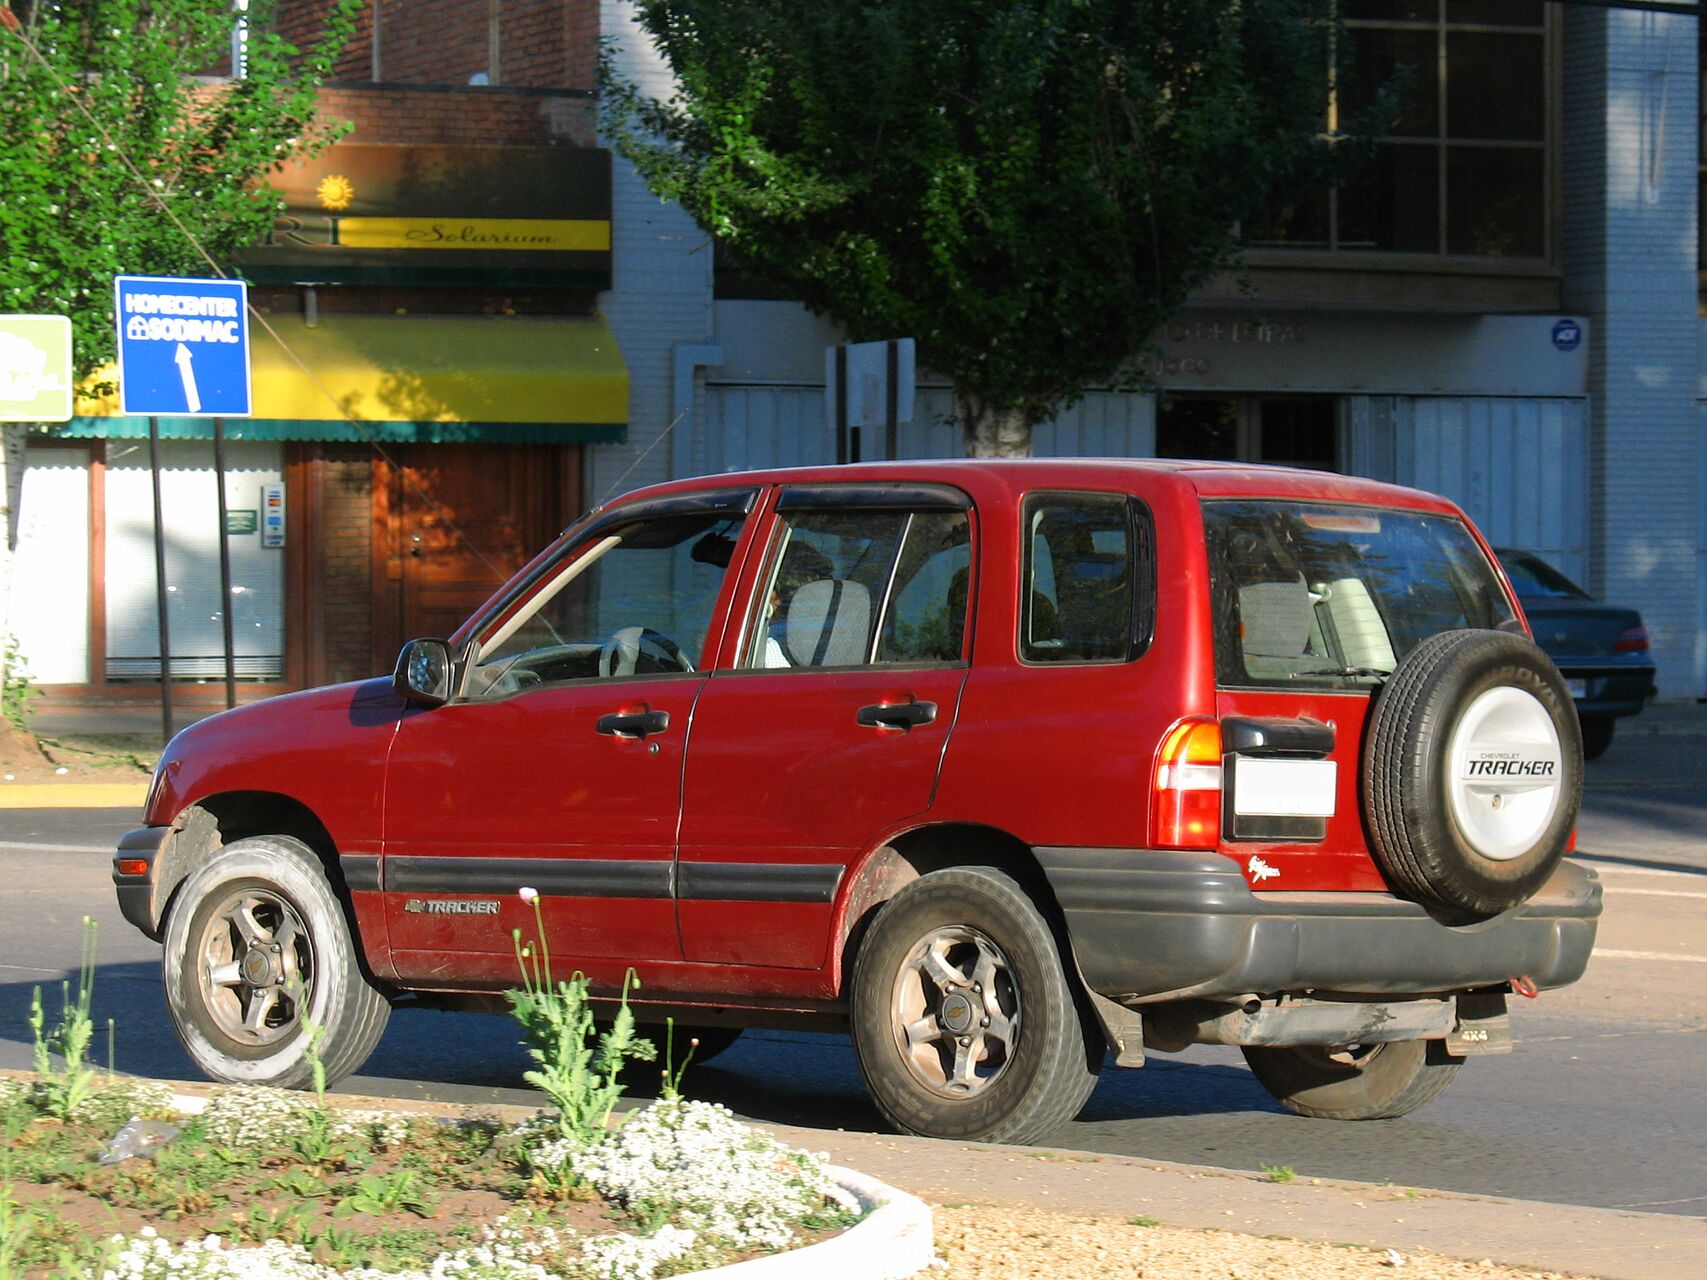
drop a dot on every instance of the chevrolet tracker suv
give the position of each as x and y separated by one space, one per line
999 766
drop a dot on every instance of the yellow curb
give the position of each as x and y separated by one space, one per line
73 795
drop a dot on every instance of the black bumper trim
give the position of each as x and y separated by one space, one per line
1152 924
136 893
361 871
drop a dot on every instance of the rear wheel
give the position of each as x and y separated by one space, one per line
965 1022
1355 1082
1597 735
256 950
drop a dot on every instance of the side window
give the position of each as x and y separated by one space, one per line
1088 583
636 602
853 588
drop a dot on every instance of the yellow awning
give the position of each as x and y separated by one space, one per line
563 377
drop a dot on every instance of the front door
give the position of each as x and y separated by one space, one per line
829 731
452 522
559 765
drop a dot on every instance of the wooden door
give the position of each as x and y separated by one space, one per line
452 522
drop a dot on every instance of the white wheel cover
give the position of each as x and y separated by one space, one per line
1505 773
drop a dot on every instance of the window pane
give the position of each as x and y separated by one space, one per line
827 587
1077 603
1188 427
638 603
1302 223
1393 203
1379 56
926 618
1393 10
1299 433
1503 13
1497 197
1494 87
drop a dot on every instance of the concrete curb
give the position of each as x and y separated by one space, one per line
73 795
893 1241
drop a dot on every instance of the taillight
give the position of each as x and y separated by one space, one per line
1632 640
1187 803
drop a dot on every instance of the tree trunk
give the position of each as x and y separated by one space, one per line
992 432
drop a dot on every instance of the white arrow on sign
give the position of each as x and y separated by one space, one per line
188 374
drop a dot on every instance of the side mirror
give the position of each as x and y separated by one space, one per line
425 672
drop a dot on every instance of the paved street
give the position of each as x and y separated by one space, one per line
1601 1103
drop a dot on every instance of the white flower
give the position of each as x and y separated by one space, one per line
529 894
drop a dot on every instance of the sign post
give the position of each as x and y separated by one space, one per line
869 384
184 353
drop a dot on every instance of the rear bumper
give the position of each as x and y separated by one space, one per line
1611 689
1150 925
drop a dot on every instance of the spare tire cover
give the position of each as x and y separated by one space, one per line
1472 772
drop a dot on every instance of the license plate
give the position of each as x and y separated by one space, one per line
1284 788
1578 688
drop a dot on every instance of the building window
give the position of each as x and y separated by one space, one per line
1288 431
1463 166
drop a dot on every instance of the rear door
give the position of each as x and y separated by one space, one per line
828 730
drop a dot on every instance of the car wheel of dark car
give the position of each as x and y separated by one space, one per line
965 1022
1472 774
1355 1082
1597 735
256 948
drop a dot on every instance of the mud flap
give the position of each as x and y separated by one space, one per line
1483 1026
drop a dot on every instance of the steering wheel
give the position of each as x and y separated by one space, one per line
621 654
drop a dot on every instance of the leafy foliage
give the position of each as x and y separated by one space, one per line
1028 187
62 1091
116 155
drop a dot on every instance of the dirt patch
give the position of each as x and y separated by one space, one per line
990 1242
28 758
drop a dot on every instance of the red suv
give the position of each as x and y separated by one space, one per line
1000 766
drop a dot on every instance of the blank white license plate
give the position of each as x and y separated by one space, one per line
1578 688
1285 788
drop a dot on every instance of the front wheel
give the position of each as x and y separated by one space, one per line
256 950
1355 1082
964 1020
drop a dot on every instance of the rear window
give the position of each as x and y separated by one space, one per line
1310 595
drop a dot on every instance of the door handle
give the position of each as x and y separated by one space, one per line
897 715
633 724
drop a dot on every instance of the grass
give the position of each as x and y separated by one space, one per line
124 751
1279 1172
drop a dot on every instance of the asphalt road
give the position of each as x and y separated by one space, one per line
1601 1104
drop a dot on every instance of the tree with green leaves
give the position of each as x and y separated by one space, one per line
1029 188
125 149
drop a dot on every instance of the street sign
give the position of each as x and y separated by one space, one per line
183 347
35 369
868 384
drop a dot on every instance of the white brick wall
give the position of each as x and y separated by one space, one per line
661 287
1629 253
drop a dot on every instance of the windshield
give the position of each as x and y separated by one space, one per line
1336 596
1534 579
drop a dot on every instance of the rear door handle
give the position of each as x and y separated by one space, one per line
897 715
634 724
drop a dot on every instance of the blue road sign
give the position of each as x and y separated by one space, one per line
183 346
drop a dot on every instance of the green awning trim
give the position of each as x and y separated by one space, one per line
134 428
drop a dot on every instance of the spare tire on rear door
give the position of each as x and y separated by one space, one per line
1472 772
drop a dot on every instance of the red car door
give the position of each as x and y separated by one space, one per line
559 764
827 730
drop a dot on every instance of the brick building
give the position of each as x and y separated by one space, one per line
1505 309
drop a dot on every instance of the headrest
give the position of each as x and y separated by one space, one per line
1276 618
829 624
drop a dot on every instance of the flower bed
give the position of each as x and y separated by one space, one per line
264 1183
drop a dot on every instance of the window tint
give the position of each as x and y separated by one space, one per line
1085 555
1317 595
848 588
638 602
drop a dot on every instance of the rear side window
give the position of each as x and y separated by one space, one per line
1088 584
1310 595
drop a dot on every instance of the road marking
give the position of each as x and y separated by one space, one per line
1622 892
1649 955
20 846
1610 868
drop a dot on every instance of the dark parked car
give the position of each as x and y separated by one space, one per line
1601 649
